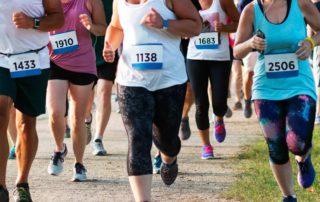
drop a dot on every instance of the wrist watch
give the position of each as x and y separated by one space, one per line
165 24
36 23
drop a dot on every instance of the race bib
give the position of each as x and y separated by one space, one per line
147 56
24 65
209 40
64 42
281 65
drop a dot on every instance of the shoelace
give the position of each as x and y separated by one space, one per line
56 157
23 194
157 161
219 127
208 149
79 168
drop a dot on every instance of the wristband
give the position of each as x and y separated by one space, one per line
165 24
313 44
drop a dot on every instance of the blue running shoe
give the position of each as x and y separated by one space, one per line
219 131
157 164
12 154
289 199
306 173
207 152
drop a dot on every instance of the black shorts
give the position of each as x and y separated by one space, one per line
77 78
107 71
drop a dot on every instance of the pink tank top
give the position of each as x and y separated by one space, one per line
82 59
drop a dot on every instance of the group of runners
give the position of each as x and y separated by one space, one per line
172 53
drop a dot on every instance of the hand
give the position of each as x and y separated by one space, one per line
218 26
86 21
22 21
257 43
153 19
108 53
304 50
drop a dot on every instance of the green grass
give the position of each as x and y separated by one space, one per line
256 183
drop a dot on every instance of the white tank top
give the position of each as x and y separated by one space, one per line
210 45
151 58
13 40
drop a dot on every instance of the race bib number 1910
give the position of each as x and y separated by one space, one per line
64 42
24 65
147 56
281 65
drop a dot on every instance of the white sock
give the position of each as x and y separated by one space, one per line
98 137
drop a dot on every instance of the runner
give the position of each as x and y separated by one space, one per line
24 63
151 76
73 69
106 77
209 58
283 91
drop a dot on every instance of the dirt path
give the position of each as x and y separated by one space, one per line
198 180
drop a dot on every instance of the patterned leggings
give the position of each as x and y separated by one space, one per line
287 126
150 115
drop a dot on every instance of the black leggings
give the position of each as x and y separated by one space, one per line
218 72
150 115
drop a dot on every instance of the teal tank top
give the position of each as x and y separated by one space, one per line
282 79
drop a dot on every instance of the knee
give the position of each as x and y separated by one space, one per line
139 160
296 145
219 108
278 154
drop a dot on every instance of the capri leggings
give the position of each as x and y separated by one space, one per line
218 72
150 115
287 126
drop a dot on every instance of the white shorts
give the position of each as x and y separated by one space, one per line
249 62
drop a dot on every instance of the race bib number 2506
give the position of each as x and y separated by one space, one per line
281 65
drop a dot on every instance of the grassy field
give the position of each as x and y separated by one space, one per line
256 183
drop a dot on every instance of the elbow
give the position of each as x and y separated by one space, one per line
195 31
237 54
60 22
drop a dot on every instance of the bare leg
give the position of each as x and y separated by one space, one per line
141 187
79 97
204 137
27 145
283 176
12 129
56 96
237 79
5 105
104 91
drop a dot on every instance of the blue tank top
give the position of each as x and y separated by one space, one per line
268 82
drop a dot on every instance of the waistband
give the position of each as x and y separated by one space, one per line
30 51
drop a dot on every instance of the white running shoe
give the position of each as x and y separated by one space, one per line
79 173
56 163
98 149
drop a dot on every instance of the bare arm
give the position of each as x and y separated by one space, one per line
312 16
245 41
52 20
187 24
114 35
96 24
231 11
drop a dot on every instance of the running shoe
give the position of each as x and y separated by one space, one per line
79 173
317 120
56 163
228 113
22 194
12 154
169 172
289 199
98 149
157 161
207 152
4 194
67 133
185 131
88 127
247 112
306 173
219 131
237 106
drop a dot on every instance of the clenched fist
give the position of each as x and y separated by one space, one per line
22 21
